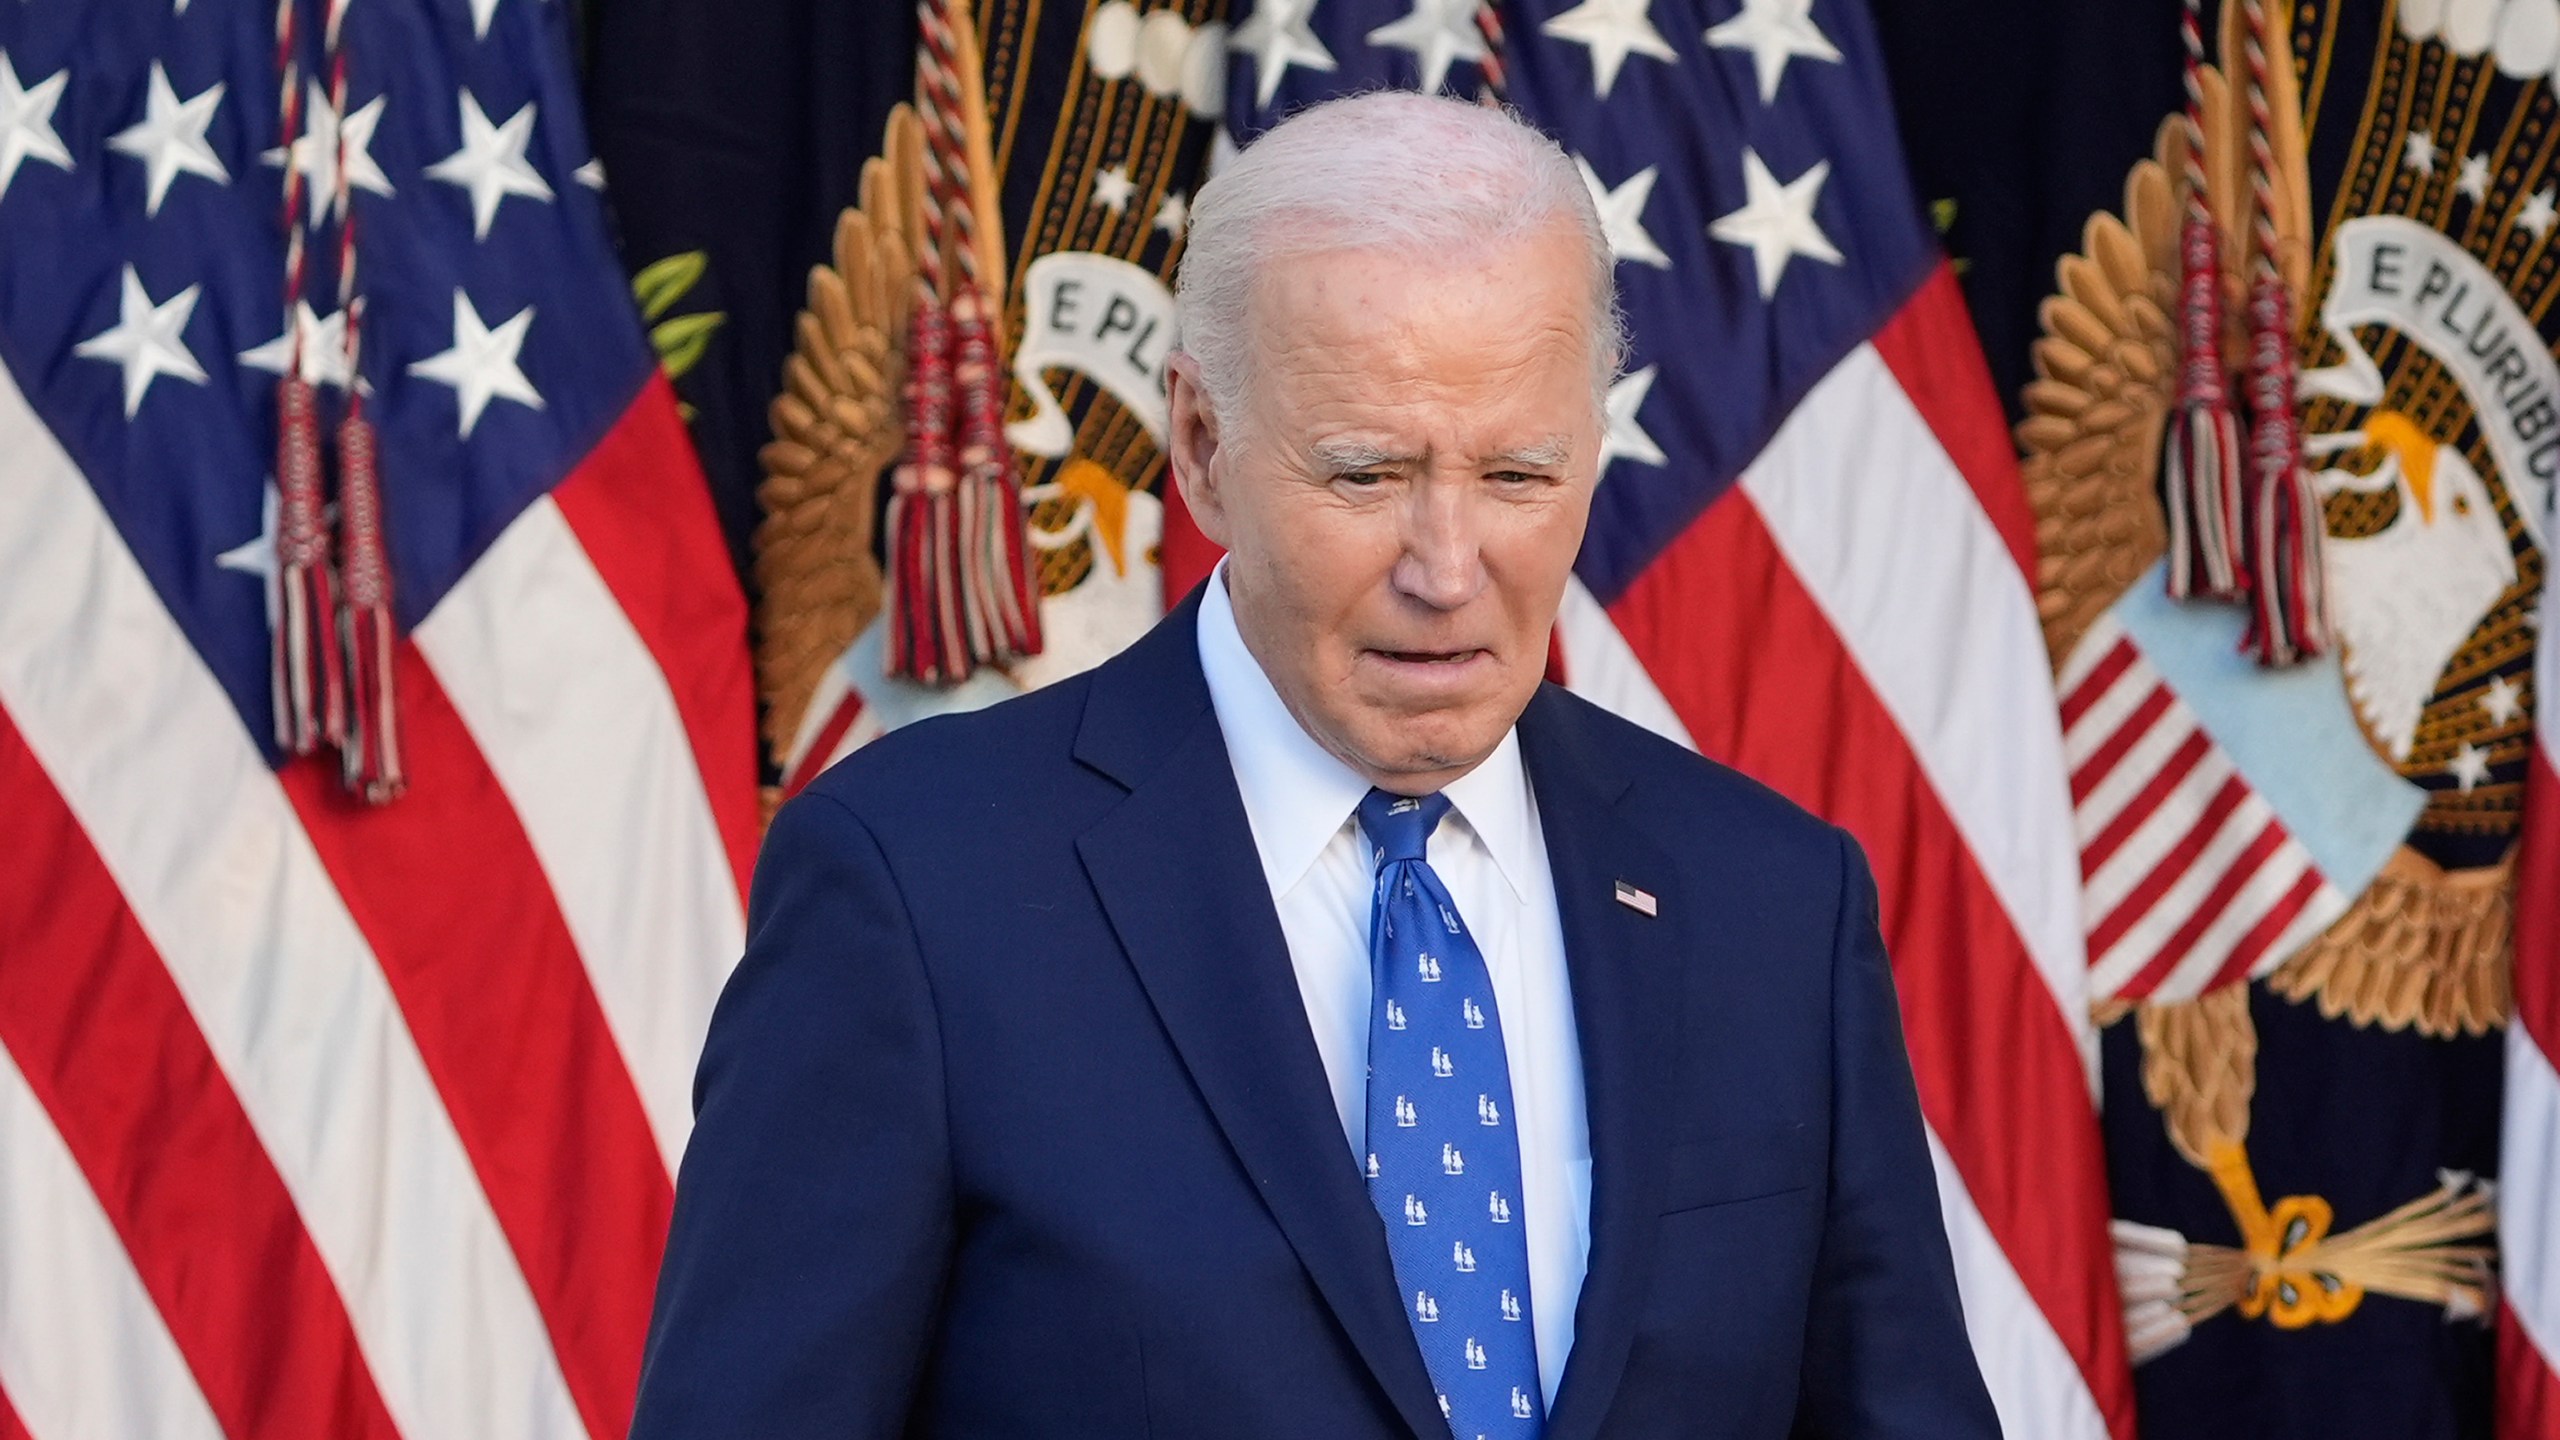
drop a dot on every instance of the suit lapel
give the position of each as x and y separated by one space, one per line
1626 997
1177 874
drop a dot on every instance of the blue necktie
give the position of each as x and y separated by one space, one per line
1444 1169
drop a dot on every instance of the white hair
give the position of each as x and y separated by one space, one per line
1387 170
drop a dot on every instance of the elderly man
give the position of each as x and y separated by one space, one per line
1309 1025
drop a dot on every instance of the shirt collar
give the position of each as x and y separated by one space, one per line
1298 795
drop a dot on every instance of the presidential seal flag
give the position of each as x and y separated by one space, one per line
376 768
1810 557
2301 881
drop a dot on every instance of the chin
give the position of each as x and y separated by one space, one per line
1423 745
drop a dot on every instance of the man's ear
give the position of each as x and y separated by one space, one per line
1191 444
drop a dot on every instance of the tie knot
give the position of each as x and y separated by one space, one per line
1399 826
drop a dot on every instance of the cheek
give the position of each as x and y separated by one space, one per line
1325 555
1531 553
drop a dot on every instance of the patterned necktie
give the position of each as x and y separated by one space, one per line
1444 1170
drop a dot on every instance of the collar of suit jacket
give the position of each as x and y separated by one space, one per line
1141 704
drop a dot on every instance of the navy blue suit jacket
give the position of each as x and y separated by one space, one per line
1011 1123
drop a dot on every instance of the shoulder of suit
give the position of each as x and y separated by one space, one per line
945 764
1686 789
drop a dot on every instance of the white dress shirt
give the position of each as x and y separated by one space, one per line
1492 855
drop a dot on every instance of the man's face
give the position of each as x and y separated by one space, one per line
1403 491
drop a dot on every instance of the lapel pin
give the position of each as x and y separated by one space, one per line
1640 901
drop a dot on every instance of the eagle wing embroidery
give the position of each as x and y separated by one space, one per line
837 425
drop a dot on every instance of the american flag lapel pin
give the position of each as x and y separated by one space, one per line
1640 901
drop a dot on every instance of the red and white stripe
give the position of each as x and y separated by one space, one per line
856 701
2192 881
102 1363
432 1056
1857 627
838 722
2529 1145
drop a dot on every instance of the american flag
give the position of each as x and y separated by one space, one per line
1810 557
2529 1131
320 1117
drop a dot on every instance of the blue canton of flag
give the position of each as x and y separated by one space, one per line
143 278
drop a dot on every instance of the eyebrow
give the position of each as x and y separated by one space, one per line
1546 454
1345 457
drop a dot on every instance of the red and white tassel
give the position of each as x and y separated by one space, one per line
2288 615
2201 469
2288 611
922 642
2200 465
369 758
370 755
961 593
1002 596
310 687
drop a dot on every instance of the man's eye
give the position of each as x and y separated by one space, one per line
1362 477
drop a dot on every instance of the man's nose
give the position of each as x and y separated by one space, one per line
1443 561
